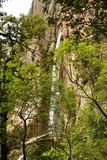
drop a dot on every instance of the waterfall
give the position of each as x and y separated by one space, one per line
59 39
54 89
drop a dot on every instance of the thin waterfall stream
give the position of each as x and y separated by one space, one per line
54 89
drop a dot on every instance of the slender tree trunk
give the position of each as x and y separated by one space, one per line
24 137
3 115
3 135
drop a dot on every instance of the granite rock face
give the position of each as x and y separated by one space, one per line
37 7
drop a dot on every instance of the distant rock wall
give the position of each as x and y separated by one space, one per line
37 7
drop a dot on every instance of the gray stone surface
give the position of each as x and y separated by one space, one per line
37 7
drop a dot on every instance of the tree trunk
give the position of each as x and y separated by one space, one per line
3 135
3 115
24 136
24 139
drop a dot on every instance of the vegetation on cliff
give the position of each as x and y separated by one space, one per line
53 91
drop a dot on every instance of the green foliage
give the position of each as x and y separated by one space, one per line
15 37
85 153
34 25
102 81
17 32
41 150
88 135
68 101
27 84
55 154
74 3
88 139
65 47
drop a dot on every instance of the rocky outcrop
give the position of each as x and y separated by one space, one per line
37 6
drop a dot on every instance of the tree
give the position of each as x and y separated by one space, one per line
25 94
1 2
81 87
86 60
84 70
15 38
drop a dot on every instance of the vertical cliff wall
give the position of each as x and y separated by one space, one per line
52 39
37 7
56 33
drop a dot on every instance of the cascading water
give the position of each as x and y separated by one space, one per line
54 89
